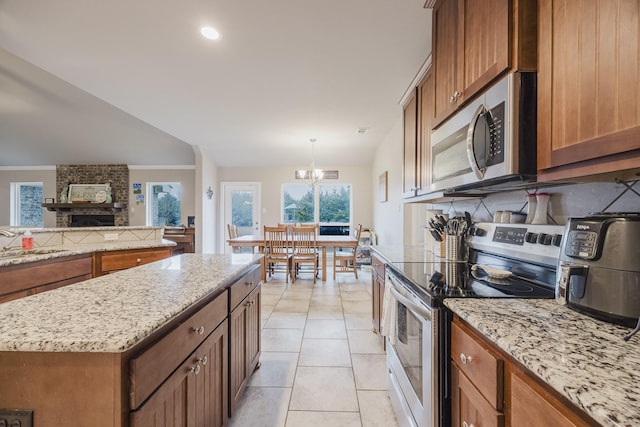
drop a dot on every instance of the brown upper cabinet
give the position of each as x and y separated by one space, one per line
418 114
409 155
474 43
588 88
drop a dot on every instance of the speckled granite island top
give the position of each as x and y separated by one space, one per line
584 359
113 313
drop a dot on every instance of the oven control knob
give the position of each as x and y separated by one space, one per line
530 237
478 232
557 239
541 238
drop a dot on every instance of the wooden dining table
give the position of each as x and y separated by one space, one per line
322 241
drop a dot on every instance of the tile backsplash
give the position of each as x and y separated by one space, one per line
574 200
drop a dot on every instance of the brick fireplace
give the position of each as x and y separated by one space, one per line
116 175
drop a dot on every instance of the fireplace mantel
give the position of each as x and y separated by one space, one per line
65 207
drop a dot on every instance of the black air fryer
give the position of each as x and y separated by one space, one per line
599 267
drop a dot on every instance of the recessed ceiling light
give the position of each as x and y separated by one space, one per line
209 33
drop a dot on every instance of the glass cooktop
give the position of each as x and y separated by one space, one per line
456 280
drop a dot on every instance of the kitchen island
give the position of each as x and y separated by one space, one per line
584 360
96 352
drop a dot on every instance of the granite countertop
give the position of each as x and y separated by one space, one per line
113 313
582 358
57 251
398 253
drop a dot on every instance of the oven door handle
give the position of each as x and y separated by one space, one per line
420 311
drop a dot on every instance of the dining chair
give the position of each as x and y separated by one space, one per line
345 256
305 251
232 229
276 255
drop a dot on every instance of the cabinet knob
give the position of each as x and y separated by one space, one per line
138 260
455 96
199 330
195 369
249 283
465 359
466 424
203 360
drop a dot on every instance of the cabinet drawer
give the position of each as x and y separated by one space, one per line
66 270
378 265
244 286
483 367
149 369
119 260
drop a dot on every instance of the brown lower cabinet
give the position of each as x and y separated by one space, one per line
490 388
21 280
196 393
377 293
244 335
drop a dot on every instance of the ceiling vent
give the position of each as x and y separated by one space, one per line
362 131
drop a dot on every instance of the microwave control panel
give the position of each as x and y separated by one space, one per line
496 147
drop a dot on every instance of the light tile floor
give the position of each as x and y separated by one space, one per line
321 364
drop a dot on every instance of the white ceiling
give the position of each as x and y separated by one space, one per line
121 81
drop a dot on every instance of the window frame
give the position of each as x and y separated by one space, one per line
15 208
316 202
149 201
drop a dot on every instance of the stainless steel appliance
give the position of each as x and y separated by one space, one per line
489 142
418 348
599 267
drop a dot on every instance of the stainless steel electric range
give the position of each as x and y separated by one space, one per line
504 261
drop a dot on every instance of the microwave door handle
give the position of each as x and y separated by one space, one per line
479 173
425 314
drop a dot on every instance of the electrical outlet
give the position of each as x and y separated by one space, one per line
110 236
16 417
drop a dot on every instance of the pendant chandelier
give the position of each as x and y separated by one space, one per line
314 175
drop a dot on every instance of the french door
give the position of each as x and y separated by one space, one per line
241 207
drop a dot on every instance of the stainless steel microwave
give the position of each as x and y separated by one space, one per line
491 142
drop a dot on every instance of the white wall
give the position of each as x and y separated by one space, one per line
206 217
388 217
272 179
46 175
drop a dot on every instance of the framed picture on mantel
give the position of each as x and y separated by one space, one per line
88 193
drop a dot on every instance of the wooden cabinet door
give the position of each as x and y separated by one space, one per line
195 394
445 58
409 163
211 406
468 407
531 408
588 87
244 334
483 47
254 329
425 124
